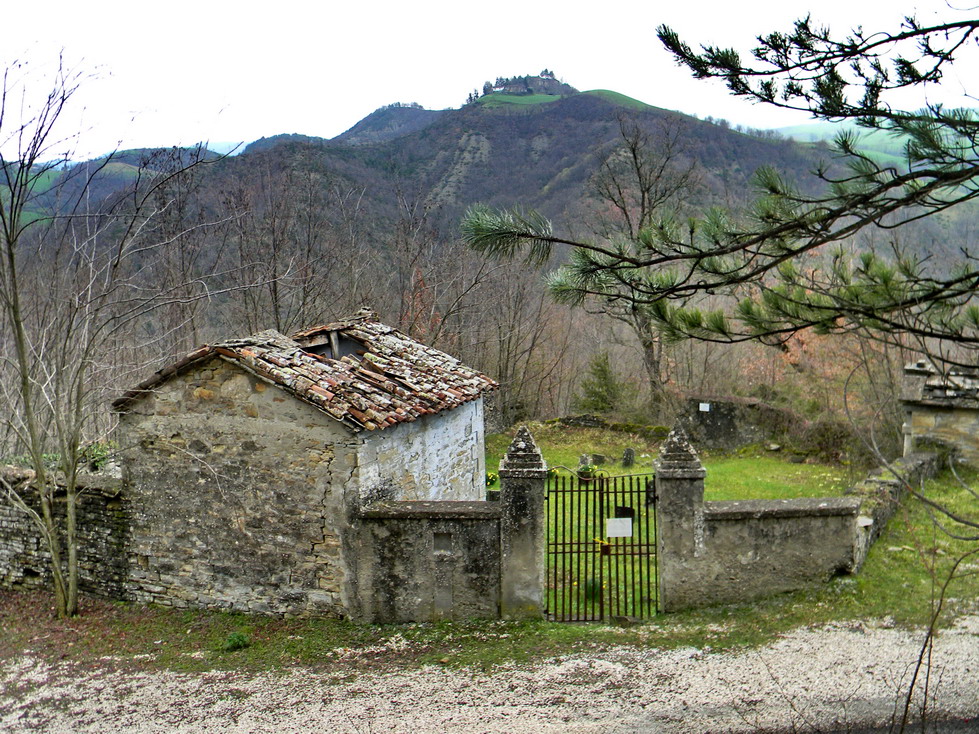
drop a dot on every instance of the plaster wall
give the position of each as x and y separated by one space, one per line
749 550
437 457
428 561
755 549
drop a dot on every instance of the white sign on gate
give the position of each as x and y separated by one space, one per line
618 527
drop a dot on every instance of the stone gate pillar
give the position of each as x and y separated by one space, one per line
523 476
679 517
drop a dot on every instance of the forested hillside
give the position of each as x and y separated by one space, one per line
296 230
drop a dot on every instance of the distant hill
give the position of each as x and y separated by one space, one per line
388 123
271 142
537 148
103 178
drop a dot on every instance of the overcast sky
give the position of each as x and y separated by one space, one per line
180 72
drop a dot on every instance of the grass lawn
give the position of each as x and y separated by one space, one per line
499 100
751 475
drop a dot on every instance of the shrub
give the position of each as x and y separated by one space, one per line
235 641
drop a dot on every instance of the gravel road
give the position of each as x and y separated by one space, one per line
834 678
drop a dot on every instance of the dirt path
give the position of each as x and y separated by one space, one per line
827 679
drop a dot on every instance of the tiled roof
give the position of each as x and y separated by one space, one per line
391 379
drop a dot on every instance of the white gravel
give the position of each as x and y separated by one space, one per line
811 680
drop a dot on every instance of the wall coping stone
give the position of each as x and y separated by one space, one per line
950 403
797 507
103 483
432 509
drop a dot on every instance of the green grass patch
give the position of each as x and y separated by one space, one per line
621 100
771 477
500 100
758 475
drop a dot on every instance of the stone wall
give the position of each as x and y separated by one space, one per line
722 552
881 493
237 496
753 549
428 561
103 525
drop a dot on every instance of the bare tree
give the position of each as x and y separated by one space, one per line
297 238
76 272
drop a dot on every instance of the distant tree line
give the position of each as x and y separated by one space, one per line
400 106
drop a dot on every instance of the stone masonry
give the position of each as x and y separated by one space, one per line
103 534
237 496
523 477
722 552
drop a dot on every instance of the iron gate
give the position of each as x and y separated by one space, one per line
601 548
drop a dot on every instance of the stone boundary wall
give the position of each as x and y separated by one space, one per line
725 552
428 560
881 493
103 534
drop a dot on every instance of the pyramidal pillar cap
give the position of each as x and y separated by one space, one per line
677 456
523 456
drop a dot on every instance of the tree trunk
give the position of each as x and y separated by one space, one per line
71 540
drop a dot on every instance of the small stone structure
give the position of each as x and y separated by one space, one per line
729 423
337 472
721 552
941 408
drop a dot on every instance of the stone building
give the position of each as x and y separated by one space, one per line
941 408
248 463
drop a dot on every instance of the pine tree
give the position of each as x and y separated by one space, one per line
601 390
786 264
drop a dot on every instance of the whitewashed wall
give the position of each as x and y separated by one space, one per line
437 457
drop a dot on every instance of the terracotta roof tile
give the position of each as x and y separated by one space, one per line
392 379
